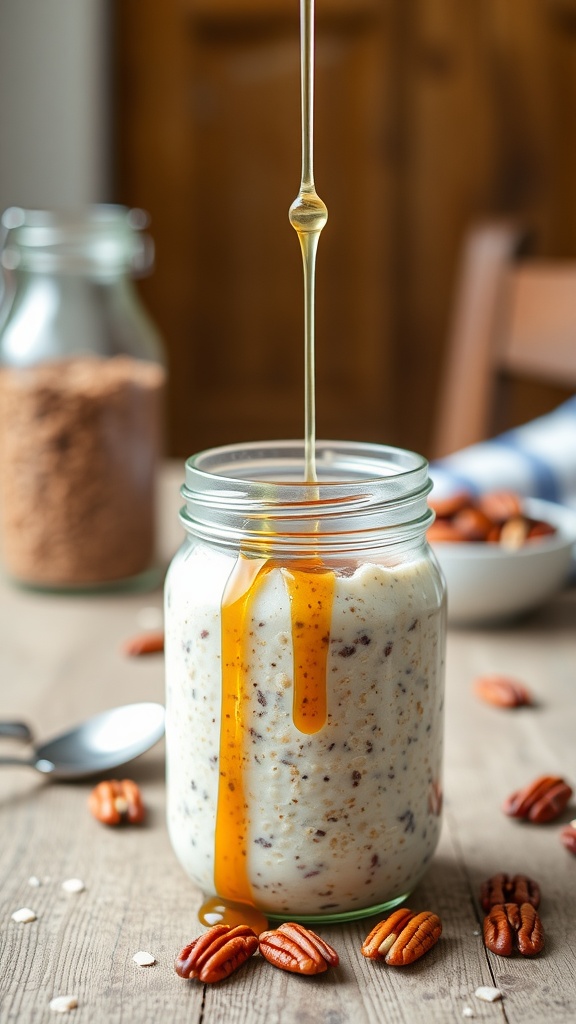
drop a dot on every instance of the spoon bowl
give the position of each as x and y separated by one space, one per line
108 740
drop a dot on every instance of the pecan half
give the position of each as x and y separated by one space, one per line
503 691
541 801
502 888
500 505
113 802
568 836
148 642
403 937
295 948
508 925
451 504
216 954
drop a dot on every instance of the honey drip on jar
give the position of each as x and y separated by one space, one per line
309 586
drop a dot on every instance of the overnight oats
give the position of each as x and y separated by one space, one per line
305 660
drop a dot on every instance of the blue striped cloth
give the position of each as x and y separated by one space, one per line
537 460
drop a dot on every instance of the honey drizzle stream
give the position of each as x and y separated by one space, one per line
308 215
231 838
311 592
310 587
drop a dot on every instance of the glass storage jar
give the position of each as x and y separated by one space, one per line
305 629
82 376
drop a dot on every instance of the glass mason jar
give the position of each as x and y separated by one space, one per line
305 629
81 412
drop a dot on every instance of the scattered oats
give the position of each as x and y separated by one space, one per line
144 959
24 915
468 1011
34 882
150 618
488 994
476 932
62 1004
73 885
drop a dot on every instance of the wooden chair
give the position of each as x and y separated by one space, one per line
513 317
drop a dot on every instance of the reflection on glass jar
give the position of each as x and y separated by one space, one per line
82 377
304 668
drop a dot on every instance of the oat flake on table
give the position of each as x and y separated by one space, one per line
144 959
62 1004
73 885
34 882
24 915
488 994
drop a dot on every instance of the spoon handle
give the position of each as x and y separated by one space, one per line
16 731
17 760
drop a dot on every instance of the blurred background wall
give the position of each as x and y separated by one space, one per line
54 110
430 114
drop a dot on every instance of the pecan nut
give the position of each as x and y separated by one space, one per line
216 954
148 642
295 948
508 925
500 506
403 937
113 802
502 691
568 836
541 801
502 888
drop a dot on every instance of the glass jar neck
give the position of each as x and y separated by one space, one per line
254 497
101 242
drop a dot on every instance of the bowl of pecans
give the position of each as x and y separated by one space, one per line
502 555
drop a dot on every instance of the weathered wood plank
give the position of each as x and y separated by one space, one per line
62 660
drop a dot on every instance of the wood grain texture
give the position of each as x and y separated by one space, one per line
429 115
60 659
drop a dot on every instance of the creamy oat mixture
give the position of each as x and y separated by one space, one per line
342 819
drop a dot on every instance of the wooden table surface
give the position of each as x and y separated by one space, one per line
61 660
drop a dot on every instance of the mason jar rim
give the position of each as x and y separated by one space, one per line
207 466
254 493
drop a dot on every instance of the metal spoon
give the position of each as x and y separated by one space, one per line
105 741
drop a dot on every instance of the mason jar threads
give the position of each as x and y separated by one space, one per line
82 377
305 631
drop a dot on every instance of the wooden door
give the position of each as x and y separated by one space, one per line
209 143
430 114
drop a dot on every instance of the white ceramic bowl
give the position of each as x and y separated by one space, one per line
488 583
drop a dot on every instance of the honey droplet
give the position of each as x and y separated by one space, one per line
218 911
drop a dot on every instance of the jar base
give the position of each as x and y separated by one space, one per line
146 580
349 915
